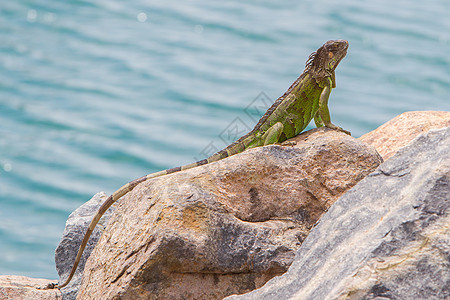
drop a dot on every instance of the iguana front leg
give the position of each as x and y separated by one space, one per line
322 116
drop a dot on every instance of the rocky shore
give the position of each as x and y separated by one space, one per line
323 219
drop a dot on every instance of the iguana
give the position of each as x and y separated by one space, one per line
307 98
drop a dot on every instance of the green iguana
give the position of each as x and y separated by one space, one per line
307 98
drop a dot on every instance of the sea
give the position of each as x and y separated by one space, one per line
96 93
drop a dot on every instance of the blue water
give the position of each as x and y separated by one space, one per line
96 93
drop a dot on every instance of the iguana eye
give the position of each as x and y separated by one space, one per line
330 54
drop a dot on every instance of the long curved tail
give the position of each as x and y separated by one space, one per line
230 150
107 204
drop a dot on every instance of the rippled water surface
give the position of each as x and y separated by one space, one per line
96 93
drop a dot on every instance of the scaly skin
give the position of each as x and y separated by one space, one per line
307 98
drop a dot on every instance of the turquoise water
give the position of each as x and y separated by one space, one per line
96 93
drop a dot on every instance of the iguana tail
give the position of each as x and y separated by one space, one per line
232 149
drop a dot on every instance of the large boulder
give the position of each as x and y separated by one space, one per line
26 288
387 238
225 227
398 132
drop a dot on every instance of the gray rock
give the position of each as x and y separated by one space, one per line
387 238
76 226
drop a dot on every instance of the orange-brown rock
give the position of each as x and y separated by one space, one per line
398 132
226 227
26 288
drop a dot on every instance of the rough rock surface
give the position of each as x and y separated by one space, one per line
398 132
67 249
26 288
225 227
387 238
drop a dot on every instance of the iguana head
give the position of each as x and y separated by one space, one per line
324 61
